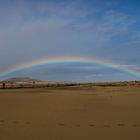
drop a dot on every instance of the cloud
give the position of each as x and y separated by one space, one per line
32 29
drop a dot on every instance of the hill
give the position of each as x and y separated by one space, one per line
21 79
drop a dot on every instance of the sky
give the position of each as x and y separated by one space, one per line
104 29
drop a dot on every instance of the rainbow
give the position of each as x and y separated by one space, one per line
53 60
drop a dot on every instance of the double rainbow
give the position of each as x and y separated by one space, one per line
55 60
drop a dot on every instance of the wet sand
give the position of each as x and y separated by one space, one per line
98 113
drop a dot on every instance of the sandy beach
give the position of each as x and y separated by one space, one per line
98 113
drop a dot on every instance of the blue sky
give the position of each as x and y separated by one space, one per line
107 29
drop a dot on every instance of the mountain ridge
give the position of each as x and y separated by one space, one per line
22 79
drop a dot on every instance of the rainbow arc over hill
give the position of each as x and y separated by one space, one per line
59 60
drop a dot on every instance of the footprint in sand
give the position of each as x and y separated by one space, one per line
107 125
27 122
91 125
16 122
136 125
61 124
77 125
2 121
121 124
